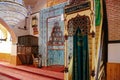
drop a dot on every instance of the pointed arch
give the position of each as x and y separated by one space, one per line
81 22
14 38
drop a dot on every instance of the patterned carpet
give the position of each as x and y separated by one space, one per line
10 72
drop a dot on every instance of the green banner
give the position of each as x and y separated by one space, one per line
97 12
80 57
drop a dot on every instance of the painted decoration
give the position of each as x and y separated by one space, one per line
55 31
55 41
51 54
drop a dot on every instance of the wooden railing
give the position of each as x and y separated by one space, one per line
100 64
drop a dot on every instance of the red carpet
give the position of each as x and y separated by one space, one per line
56 68
7 77
29 73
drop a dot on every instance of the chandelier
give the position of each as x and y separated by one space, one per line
12 11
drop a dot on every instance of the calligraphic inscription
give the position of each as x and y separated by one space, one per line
79 7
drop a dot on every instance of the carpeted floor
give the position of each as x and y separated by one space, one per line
56 68
7 77
22 72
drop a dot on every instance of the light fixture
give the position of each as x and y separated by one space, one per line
12 11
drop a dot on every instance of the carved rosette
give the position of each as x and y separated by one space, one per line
81 22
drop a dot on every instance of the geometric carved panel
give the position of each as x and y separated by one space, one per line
81 22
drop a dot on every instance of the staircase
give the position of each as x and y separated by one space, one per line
99 68
90 45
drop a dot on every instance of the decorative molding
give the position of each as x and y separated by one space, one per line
65 69
92 34
66 37
92 73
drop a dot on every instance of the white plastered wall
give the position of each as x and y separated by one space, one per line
114 53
